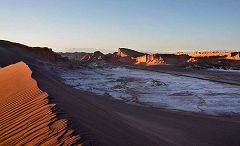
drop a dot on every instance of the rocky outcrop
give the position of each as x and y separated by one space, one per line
225 55
198 60
74 56
213 62
45 53
152 59
234 56
174 59
180 53
97 55
192 60
32 52
123 56
209 54
124 52
84 57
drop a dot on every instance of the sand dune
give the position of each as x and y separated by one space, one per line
26 117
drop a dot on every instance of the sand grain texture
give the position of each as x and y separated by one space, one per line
26 118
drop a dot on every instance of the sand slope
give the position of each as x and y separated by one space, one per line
26 117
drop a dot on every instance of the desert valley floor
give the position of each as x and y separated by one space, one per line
93 99
156 89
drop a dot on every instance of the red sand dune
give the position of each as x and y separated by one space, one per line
26 117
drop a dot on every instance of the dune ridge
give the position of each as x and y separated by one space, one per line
26 117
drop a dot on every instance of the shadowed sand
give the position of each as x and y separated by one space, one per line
26 117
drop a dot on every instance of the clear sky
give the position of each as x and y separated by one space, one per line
145 25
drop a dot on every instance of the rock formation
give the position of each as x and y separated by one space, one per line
124 52
234 56
84 57
226 55
152 59
40 52
192 60
209 54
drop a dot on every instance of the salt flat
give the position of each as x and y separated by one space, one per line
157 89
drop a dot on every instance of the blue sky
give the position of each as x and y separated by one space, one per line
145 25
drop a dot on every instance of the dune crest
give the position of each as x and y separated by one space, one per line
26 117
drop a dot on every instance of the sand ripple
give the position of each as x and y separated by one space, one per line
26 118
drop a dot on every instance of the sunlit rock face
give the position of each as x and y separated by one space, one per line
180 53
234 56
152 59
209 54
225 55
121 53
